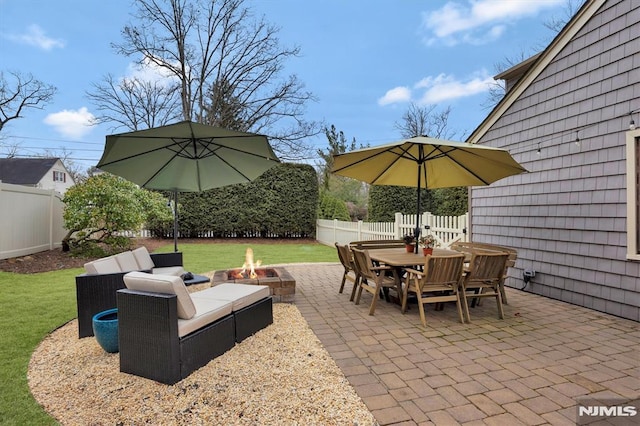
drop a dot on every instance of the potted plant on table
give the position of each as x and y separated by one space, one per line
427 242
409 242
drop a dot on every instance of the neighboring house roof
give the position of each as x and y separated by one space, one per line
25 171
540 62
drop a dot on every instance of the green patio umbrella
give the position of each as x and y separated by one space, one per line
187 157
425 162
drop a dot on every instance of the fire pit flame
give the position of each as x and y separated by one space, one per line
250 265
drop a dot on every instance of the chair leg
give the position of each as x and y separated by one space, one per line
503 293
499 301
459 307
466 306
344 278
372 308
356 283
359 292
421 308
405 295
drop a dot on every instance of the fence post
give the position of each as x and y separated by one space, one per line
427 220
359 230
51 200
396 225
465 231
335 230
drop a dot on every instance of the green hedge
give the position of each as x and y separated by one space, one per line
385 201
281 203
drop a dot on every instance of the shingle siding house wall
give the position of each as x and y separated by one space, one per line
567 217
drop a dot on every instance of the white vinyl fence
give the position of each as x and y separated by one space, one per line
446 229
30 220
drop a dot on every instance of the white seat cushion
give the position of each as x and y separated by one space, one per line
166 284
241 295
106 265
143 258
127 261
207 311
169 270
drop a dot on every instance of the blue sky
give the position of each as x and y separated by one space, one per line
365 61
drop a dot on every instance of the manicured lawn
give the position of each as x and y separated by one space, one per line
34 305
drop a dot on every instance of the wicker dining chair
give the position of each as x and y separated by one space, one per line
372 278
438 282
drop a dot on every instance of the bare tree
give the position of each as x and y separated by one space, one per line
20 92
555 24
425 121
226 66
498 88
135 104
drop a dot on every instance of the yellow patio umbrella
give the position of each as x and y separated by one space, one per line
425 162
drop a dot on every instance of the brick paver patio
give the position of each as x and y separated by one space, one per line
530 368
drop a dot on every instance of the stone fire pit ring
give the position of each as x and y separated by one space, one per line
281 283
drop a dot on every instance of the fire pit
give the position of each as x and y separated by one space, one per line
279 280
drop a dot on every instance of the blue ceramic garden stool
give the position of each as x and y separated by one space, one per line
105 328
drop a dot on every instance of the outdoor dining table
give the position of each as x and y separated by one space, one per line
399 258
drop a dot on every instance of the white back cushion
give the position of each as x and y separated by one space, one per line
166 284
143 258
90 268
127 261
106 265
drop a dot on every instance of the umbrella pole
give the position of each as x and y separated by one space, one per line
175 220
417 230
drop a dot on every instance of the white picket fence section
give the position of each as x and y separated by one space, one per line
31 220
446 229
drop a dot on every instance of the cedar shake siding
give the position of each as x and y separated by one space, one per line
567 217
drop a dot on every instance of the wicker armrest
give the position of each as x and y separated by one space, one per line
94 294
148 335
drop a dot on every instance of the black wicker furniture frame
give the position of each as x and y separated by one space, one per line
148 337
97 292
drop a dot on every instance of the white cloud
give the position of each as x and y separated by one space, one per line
478 21
149 72
35 36
72 124
447 88
440 88
395 95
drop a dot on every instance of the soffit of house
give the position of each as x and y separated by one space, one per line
513 74
25 171
540 62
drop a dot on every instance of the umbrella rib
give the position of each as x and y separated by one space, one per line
134 156
158 171
403 154
466 168
385 151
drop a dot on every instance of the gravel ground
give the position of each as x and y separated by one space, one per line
280 376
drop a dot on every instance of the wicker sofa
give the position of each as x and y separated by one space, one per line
165 333
96 288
